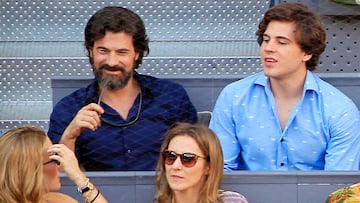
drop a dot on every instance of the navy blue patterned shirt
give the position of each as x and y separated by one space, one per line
134 147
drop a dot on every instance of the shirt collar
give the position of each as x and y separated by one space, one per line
310 81
146 83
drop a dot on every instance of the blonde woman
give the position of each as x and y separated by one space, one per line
190 168
29 169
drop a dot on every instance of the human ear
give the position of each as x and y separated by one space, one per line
307 57
207 169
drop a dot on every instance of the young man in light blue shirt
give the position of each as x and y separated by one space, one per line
285 117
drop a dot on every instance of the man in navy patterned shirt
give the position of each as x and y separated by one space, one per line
119 120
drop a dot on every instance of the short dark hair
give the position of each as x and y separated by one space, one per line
310 33
117 19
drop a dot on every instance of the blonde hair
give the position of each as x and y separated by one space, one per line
210 146
21 168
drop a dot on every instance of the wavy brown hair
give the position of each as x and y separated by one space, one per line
210 146
310 33
117 19
21 168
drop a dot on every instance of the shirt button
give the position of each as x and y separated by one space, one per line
282 140
129 151
282 164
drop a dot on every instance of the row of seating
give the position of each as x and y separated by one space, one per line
203 92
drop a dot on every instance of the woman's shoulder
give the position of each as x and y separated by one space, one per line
57 197
228 196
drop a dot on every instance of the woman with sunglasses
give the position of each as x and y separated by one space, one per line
29 169
190 167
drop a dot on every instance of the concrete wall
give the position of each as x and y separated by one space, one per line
257 187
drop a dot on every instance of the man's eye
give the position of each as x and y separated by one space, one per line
102 51
122 52
266 39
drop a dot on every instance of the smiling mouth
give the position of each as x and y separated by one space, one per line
270 60
111 68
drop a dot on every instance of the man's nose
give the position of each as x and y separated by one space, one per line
112 59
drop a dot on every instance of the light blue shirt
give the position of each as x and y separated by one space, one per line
322 132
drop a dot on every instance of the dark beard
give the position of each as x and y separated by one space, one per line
111 82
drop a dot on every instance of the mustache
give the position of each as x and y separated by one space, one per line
111 68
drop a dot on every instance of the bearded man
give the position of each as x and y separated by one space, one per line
118 122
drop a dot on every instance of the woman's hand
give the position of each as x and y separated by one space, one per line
68 161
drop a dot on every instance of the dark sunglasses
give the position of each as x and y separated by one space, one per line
187 159
52 161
